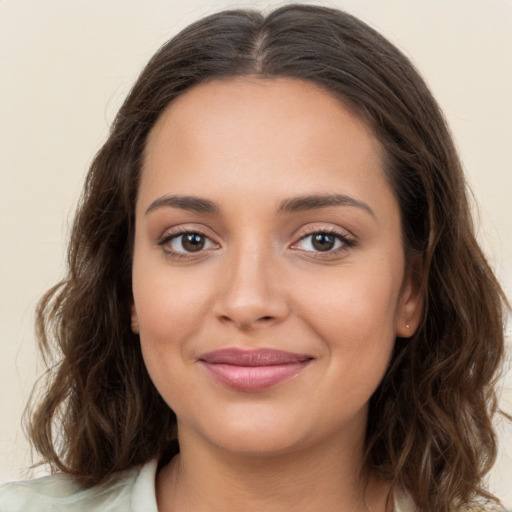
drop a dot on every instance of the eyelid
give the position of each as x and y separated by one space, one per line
347 240
175 232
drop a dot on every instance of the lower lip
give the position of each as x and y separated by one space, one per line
253 378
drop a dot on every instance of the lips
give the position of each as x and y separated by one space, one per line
253 370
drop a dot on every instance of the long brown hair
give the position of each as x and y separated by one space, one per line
429 428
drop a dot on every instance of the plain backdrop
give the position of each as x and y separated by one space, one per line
65 67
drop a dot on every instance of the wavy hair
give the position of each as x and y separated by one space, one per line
429 429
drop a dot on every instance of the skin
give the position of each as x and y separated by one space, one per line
250 146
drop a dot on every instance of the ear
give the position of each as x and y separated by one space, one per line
410 302
134 319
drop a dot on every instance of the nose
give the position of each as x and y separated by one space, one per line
251 293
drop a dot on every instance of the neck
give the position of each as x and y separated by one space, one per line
327 477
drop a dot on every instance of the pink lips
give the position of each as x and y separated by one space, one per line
253 370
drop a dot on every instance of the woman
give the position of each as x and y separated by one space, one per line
275 299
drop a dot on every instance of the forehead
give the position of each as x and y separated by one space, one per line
267 136
296 109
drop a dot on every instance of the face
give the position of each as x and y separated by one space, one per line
269 277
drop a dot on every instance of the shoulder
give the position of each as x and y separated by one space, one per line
132 490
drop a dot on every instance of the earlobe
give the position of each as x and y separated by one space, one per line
410 305
134 320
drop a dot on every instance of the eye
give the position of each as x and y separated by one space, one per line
323 242
184 243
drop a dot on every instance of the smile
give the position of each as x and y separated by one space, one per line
253 370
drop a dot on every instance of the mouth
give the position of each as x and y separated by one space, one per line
253 370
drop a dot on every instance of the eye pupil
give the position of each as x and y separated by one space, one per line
193 242
323 241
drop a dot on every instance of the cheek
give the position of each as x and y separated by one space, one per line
169 305
168 321
356 325
353 303
169 309
355 319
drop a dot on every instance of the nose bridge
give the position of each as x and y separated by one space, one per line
251 288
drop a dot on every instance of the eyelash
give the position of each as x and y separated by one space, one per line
346 243
169 237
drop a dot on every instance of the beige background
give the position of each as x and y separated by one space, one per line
65 67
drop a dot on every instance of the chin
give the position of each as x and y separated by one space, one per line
256 444
251 432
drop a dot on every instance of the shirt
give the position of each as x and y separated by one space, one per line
132 490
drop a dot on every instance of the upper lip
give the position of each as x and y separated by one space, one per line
258 357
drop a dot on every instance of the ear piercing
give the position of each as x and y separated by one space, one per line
135 327
407 326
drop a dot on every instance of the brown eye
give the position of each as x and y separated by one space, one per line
192 242
330 243
323 241
187 242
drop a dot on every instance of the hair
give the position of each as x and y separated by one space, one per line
430 421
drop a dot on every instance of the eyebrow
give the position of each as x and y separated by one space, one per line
295 204
318 201
190 203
